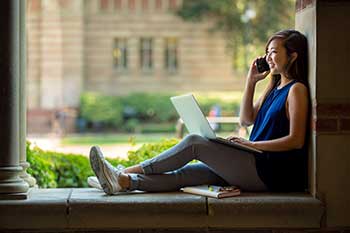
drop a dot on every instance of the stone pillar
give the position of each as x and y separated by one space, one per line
11 185
22 100
72 24
51 83
326 24
306 23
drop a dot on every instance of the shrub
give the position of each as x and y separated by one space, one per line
151 107
58 170
228 108
157 127
132 125
147 151
100 108
129 113
41 168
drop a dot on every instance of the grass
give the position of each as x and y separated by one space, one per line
112 139
115 139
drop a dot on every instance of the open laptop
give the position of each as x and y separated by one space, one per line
196 123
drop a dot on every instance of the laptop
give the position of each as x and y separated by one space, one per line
196 123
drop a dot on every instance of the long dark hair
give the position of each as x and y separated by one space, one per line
293 41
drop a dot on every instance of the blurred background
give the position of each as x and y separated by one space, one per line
102 71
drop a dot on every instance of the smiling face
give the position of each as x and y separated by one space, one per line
287 55
277 57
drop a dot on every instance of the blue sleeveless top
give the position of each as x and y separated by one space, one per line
280 171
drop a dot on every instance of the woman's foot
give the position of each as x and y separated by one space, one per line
106 174
94 183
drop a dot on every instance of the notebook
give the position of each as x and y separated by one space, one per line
196 123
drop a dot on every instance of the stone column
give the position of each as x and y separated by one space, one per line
11 185
326 24
22 99
51 54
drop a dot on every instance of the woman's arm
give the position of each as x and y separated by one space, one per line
297 112
249 110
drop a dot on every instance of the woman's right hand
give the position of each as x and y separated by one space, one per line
253 75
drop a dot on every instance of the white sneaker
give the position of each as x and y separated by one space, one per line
93 181
106 174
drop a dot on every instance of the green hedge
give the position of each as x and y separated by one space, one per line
101 108
129 113
58 170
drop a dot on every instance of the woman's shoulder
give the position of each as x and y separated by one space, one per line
298 88
298 91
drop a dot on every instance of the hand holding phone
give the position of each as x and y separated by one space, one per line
262 65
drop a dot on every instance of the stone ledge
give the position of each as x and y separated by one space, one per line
94 209
83 209
264 210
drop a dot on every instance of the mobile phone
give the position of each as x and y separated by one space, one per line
261 65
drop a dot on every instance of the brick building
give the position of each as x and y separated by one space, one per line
116 47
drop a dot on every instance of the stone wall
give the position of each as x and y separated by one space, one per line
203 60
55 53
325 23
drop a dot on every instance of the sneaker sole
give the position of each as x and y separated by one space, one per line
96 161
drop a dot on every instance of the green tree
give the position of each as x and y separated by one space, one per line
246 23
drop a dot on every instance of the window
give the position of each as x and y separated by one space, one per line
104 4
120 54
146 57
118 4
172 4
144 5
158 4
131 4
171 54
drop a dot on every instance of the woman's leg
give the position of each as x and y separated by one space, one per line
235 166
189 175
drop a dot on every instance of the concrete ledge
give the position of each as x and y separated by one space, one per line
263 210
93 209
90 209
46 208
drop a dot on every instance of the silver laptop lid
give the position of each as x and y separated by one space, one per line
192 116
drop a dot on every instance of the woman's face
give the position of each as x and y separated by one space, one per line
276 56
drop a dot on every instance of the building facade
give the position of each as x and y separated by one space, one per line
116 47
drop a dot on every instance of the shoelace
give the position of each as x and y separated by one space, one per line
120 167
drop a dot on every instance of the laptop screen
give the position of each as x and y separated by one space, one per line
192 116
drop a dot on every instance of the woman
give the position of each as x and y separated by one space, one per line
280 118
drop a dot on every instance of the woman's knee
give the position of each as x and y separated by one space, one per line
194 138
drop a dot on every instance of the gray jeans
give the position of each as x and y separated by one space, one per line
219 165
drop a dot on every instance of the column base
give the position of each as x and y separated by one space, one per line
11 186
14 196
25 176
